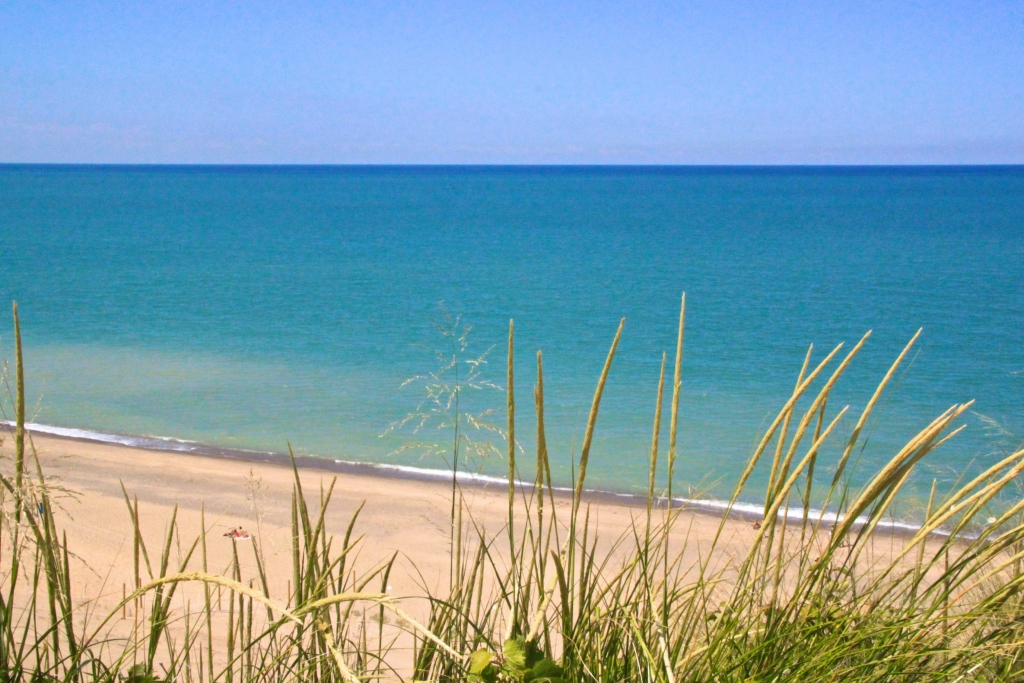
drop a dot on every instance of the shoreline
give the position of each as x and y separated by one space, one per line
404 517
169 445
104 495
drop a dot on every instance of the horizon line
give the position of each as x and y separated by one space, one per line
129 164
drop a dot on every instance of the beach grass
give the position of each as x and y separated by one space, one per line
835 595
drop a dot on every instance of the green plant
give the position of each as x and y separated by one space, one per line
520 660
823 596
442 409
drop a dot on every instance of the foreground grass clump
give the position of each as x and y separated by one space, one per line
811 598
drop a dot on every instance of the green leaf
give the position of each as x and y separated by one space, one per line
533 653
479 660
481 668
138 674
545 671
515 656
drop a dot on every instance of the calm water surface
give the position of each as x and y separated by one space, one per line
246 307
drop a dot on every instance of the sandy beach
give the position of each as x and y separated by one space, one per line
399 515
400 518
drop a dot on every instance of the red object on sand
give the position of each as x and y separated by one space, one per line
238 534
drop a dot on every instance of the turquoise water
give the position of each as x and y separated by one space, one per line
245 307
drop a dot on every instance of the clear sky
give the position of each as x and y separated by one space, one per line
512 82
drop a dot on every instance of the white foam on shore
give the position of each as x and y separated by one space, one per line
167 443
752 510
446 475
427 473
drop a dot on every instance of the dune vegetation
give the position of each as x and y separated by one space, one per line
809 601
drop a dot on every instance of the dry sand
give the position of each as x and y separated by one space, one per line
400 515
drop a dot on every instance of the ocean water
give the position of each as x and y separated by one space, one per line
250 307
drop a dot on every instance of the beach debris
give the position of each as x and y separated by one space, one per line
238 534
756 525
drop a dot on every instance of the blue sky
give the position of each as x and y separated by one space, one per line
512 82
